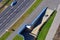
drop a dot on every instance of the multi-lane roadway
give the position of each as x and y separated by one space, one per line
12 13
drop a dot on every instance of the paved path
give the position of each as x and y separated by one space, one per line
52 4
30 2
54 26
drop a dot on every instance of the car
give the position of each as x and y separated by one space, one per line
13 3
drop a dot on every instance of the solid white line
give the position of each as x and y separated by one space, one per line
13 12
22 14
20 17
9 10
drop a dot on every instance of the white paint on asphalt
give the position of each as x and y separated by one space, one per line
14 33
52 4
14 10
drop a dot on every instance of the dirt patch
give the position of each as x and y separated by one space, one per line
57 35
0 4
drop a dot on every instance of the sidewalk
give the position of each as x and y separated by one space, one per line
54 26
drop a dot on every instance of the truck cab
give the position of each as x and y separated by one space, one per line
28 26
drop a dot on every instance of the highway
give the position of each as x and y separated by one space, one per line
9 8
12 14
52 4
9 11
6 13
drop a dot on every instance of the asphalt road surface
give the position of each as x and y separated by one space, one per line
52 4
5 14
11 14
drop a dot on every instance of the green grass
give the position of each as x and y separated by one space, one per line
5 3
28 12
9 2
18 37
45 29
20 21
5 36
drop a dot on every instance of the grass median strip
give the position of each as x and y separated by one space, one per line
18 37
45 29
5 36
21 20
5 4
26 15
4 1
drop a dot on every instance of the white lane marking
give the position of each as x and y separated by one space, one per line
12 12
21 15
10 9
